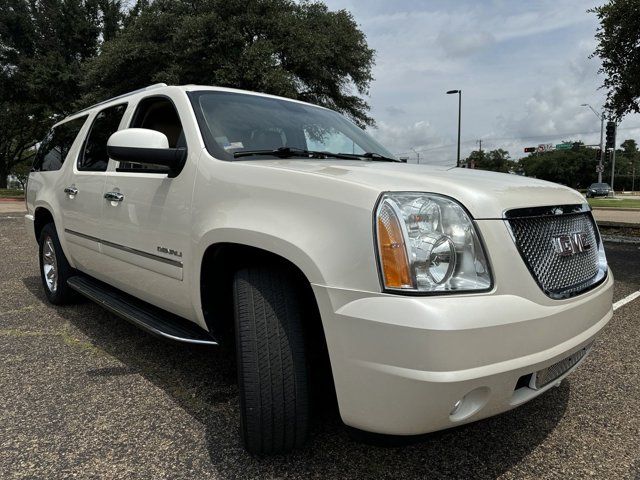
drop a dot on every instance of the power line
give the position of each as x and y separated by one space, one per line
531 137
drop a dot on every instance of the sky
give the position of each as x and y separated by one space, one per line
523 68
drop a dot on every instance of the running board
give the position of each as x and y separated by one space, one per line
142 314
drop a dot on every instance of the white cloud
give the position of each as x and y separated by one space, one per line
523 68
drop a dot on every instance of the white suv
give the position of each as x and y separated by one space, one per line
434 296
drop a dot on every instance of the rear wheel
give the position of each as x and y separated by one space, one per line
272 369
54 268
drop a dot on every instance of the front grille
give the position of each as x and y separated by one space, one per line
539 234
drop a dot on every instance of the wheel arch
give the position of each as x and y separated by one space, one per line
219 263
41 217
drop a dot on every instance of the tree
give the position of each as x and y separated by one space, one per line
496 160
21 170
299 50
626 159
575 167
618 46
43 46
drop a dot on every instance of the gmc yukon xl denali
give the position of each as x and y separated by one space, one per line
434 296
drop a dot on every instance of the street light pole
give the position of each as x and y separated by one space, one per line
459 92
601 161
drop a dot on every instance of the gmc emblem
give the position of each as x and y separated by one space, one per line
571 243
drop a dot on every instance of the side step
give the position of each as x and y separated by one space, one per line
142 314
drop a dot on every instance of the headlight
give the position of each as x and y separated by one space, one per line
428 243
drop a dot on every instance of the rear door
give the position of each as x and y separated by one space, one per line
82 196
147 232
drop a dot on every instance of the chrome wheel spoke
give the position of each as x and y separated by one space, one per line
50 265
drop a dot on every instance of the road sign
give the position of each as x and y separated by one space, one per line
545 147
599 168
529 149
563 146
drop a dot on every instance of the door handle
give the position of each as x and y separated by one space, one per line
71 190
114 196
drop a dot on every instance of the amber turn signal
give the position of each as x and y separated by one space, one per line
393 252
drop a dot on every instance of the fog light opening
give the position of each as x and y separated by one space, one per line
470 404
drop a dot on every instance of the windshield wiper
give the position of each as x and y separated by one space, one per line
373 156
380 158
288 152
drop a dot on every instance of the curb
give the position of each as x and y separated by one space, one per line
11 199
606 223
616 239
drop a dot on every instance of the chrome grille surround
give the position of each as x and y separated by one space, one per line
559 274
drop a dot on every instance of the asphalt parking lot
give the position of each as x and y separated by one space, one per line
85 395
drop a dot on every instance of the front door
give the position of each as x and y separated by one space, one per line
146 217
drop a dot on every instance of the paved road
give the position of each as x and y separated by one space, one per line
85 395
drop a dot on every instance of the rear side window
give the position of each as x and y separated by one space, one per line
55 147
94 157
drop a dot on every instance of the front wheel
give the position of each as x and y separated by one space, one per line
272 366
54 268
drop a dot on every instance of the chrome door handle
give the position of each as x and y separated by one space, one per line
71 190
114 196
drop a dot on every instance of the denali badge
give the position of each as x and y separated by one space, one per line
169 251
571 243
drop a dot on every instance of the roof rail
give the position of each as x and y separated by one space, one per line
150 87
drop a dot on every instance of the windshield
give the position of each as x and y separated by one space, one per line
599 185
236 122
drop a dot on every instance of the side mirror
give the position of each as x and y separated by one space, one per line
141 145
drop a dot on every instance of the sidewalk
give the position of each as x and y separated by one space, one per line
12 206
617 215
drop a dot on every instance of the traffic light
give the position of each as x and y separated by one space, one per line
597 150
611 135
576 146
529 149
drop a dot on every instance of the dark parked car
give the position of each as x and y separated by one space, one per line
598 190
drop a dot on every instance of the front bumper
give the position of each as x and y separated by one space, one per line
401 363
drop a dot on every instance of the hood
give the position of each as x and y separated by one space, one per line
485 194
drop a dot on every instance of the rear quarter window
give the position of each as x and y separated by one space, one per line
54 148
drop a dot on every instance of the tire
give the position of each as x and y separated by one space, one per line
272 363
51 254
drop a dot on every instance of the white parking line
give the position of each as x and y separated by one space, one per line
625 300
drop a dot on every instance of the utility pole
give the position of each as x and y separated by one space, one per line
459 92
613 157
602 149
417 155
473 163
602 152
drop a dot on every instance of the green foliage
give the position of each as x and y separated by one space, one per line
294 49
11 193
57 56
43 46
618 46
615 202
494 160
575 168
21 170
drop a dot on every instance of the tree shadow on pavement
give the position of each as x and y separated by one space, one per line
201 380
